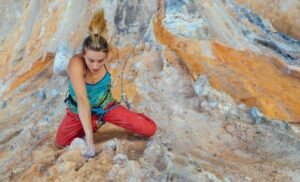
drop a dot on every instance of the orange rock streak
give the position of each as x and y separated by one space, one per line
36 68
255 80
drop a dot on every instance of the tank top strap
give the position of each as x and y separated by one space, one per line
106 68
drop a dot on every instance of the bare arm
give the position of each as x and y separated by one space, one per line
76 74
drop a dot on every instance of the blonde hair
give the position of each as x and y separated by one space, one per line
95 41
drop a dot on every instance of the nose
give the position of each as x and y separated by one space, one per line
95 66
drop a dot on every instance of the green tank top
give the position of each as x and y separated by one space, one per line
99 94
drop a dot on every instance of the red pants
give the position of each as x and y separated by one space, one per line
71 126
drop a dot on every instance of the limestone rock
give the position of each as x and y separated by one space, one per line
205 71
62 57
78 144
111 145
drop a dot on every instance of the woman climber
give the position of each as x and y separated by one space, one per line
90 99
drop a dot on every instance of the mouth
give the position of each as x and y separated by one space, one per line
95 70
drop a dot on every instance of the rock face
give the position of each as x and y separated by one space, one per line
234 69
282 14
222 84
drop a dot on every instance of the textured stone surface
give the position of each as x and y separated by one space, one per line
221 84
284 15
235 69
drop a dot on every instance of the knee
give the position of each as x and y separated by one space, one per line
151 129
60 142
59 146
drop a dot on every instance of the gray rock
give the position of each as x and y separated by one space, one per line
256 115
42 95
62 58
281 124
111 145
156 155
120 159
47 118
78 144
21 87
54 93
202 86
213 104
242 106
3 104
205 106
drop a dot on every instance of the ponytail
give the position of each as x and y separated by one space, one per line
95 41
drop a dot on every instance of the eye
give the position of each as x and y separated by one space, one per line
100 61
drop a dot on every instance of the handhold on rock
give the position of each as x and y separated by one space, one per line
78 144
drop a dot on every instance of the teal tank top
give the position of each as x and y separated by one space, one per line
99 94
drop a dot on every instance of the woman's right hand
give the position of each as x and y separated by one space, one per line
91 150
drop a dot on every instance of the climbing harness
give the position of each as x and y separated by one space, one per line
95 109
101 112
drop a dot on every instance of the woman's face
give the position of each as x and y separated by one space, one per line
94 60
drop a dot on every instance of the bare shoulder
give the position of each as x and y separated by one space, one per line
76 76
76 59
76 63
